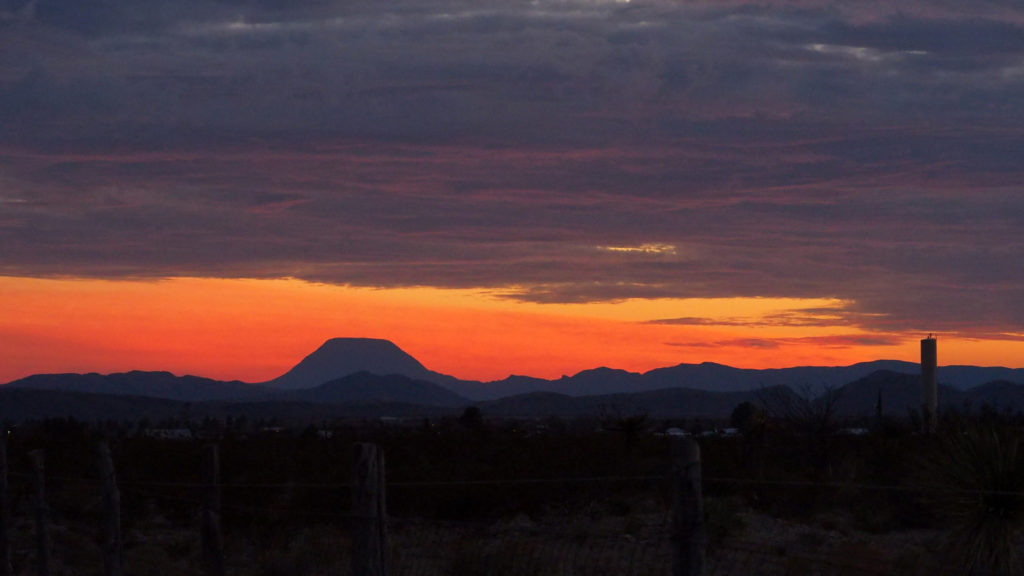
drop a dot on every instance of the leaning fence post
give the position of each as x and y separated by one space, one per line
212 539
688 536
112 556
42 528
369 528
5 510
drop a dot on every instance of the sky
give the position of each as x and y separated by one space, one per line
535 187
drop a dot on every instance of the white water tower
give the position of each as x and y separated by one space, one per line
929 384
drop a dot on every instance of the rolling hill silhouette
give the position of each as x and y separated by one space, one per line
664 403
900 393
147 384
364 387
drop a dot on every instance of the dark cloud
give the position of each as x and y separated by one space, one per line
956 38
801 149
520 73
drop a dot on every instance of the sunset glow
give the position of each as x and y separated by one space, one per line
254 330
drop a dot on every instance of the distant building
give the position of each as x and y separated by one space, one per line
720 433
170 433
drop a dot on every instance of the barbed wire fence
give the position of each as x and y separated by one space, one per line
274 529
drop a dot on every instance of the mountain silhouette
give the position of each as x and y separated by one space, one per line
146 384
900 393
339 357
704 376
363 395
998 395
364 388
721 378
964 377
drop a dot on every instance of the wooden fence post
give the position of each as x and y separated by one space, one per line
38 459
5 510
212 539
112 554
688 535
369 513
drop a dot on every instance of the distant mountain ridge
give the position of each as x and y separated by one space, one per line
364 387
146 384
721 378
364 395
339 358
899 394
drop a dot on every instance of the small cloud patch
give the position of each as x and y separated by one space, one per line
667 249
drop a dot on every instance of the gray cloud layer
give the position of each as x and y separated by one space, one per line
783 149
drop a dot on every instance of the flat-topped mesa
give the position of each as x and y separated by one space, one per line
339 357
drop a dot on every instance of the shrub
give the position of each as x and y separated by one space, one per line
974 479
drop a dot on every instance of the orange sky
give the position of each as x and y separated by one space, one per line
254 330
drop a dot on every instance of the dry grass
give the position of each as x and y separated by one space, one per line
619 537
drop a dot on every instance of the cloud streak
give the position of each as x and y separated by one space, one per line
833 342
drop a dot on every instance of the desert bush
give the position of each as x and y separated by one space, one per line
973 478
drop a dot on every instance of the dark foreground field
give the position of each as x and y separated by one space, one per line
477 497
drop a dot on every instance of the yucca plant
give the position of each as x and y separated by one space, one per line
974 479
